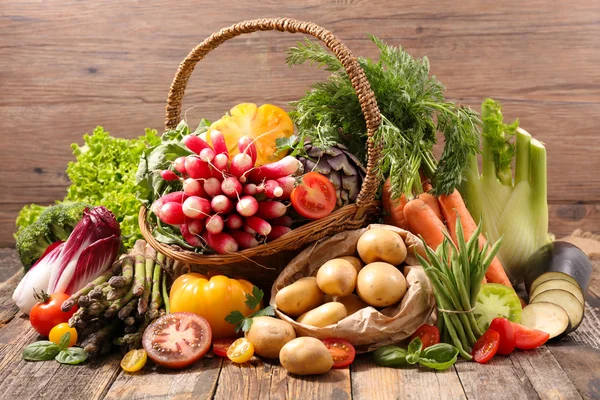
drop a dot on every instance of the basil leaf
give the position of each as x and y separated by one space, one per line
440 356
390 356
40 351
72 356
415 346
412 359
64 340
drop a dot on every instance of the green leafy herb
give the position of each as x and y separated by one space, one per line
72 356
64 341
252 301
413 108
439 356
40 351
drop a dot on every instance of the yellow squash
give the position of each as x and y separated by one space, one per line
265 124
213 298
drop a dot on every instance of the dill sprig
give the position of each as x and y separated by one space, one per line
413 109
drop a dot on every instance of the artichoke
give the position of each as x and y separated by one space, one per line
340 166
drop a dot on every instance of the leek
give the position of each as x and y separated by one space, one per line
515 208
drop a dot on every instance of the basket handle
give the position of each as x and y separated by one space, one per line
366 97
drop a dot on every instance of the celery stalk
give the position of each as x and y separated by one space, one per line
515 209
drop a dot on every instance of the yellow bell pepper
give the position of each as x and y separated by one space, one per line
212 298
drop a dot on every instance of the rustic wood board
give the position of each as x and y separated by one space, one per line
74 65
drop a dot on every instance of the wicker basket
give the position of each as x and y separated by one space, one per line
262 264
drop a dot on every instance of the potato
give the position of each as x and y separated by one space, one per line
337 277
327 314
380 284
352 302
306 356
380 244
269 335
355 261
299 297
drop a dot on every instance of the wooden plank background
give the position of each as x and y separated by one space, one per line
67 66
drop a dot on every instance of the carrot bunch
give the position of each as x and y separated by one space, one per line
430 217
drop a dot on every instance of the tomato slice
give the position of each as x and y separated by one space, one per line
528 338
220 346
177 340
314 197
486 347
507 335
429 335
240 351
341 350
134 360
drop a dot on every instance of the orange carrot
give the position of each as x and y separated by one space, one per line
394 209
453 204
423 221
432 202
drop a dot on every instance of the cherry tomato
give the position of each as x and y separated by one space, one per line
486 347
315 197
429 335
46 314
60 330
177 340
220 346
240 351
507 335
341 350
528 338
134 360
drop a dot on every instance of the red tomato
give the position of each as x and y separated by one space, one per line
46 314
486 347
528 338
177 340
220 346
507 335
341 350
429 335
315 197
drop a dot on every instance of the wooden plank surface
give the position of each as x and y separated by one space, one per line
67 66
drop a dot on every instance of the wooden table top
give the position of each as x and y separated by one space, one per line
569 369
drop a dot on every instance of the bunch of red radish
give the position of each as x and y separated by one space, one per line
227 204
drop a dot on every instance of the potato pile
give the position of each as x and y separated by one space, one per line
343 286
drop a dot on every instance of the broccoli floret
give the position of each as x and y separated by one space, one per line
54 224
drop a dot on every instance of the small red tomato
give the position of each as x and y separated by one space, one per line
46 314
341 350
429 335
486 347
528 338
507 335
315 197
220 346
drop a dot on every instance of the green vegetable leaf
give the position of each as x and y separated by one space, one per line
440 356
254 299
235 318
72 356
268 311
64 340
40 351
391 356
415 346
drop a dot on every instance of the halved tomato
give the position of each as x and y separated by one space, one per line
240 351
220 346
528 338
177 340
314 197
341 350
429 335
507 335
486 346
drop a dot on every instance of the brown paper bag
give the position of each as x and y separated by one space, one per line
367 329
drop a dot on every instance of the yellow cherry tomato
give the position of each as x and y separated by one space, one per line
60 330
240 351
265 124
134 360
212 299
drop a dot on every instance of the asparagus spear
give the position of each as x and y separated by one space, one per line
156 300
93 343
70 302
150 256
127 309
138 282
165 294
126 277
